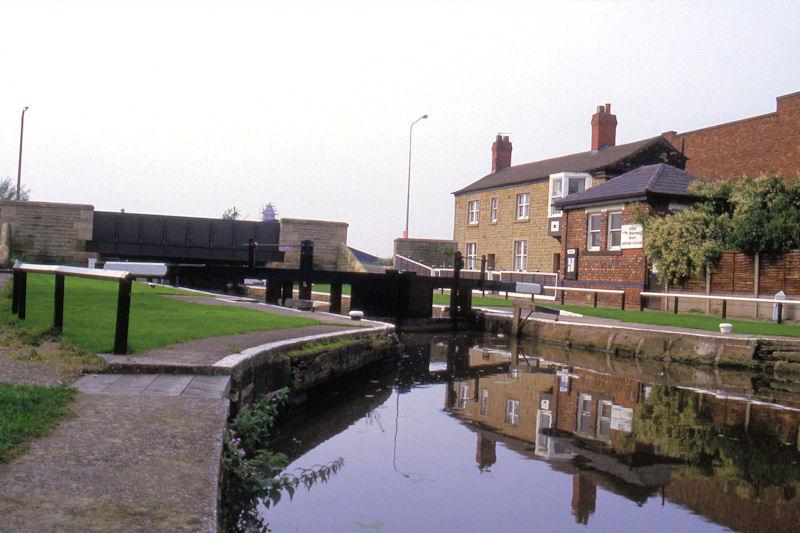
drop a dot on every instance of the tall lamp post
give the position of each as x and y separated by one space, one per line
408 192
19 165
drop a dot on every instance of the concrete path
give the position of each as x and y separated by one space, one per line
141 454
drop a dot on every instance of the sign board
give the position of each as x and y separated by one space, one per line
572 264
621 418
631 236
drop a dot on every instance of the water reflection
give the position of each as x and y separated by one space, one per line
536 437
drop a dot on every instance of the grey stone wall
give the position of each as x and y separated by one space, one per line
430 252
327 237
48 232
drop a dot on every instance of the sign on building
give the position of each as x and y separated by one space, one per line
621 418
631 236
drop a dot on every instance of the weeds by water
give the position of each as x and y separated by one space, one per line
253 473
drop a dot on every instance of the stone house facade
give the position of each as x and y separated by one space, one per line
509 215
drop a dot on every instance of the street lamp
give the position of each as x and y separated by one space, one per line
19 165
408 192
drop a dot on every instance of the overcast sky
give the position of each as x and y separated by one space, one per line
188 109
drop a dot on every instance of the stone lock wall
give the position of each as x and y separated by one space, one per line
49 232
498 237
327 237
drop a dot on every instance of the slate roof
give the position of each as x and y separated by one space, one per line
364 257
581 162
638 184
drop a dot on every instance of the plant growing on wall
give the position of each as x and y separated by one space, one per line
9 192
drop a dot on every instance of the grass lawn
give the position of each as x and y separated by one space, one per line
90 315
325 287
29 412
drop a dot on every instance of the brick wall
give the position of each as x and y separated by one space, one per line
431 252
765 143
49 232
498 237
326 236
604 269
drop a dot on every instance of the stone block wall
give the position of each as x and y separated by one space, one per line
49 232
327 237
498 237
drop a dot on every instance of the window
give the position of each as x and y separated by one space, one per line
593 231
484 401
557 262
614 230
564 184
585 413
472 255
520 255
491 260
604 419
463 396
523 205
493 210
512 412
473 210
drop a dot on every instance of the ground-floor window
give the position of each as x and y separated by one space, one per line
593 232
512 412
484 401
615 230
491 261
520 255
463 396
472 255
604 419
585 413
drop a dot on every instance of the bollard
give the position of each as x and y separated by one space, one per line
123 316
58 303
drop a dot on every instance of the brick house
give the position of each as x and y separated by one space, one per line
602 242
765 143
510 216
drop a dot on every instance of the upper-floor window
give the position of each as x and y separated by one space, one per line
484 401
523 206
593 231
472 255
493 210
463 395
473 211
564 184
614 230
520 255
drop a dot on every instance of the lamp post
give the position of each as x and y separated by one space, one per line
408 192
19 165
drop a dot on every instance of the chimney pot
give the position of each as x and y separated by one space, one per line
604 128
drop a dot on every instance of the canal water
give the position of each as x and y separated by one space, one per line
481 433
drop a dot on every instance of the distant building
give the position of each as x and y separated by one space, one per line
269 212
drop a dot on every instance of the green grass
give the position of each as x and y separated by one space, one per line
325 287
156 320
29 412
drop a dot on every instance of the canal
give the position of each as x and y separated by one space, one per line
483 433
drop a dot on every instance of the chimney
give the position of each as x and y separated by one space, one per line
604 128
501 153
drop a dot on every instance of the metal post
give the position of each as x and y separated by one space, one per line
641 302
19 164
458 263
123 317
251 253
58 303
15 292
594 299
622 302
408 191
780 313
483 272
287 291
675 306
336 298
563 296
724 308
21 296
305 290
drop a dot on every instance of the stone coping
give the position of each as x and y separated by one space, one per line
45 204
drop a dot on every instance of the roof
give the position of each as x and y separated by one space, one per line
581 162
640 183
364 257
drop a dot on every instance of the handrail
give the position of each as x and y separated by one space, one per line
718 297
80 272
404 258
583 289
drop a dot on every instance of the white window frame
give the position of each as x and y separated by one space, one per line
584 413
589 231
471 255
493 209
524 206
463 396
473 212
565 178
600 419
520 255
512 412
618 230
484 402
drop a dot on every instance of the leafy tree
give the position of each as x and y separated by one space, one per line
232 214
9 192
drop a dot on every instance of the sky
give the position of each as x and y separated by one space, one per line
188 108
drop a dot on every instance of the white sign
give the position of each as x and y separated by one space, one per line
631 236
621 418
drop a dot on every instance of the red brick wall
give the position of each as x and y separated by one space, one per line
606 269
766 143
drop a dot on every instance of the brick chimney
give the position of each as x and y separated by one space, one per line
501 153
604 128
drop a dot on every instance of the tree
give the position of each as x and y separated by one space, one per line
9 192
231 214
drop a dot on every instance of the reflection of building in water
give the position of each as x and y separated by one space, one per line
731 459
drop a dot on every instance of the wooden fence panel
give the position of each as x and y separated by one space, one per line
745 276
722 274
772 275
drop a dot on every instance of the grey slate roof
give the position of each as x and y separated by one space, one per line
580 162
641 183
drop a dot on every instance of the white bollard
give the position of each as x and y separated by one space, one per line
356 315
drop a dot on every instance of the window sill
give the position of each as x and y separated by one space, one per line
600 253
473 224
522 220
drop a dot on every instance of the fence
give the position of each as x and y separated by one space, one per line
676 296
20 288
